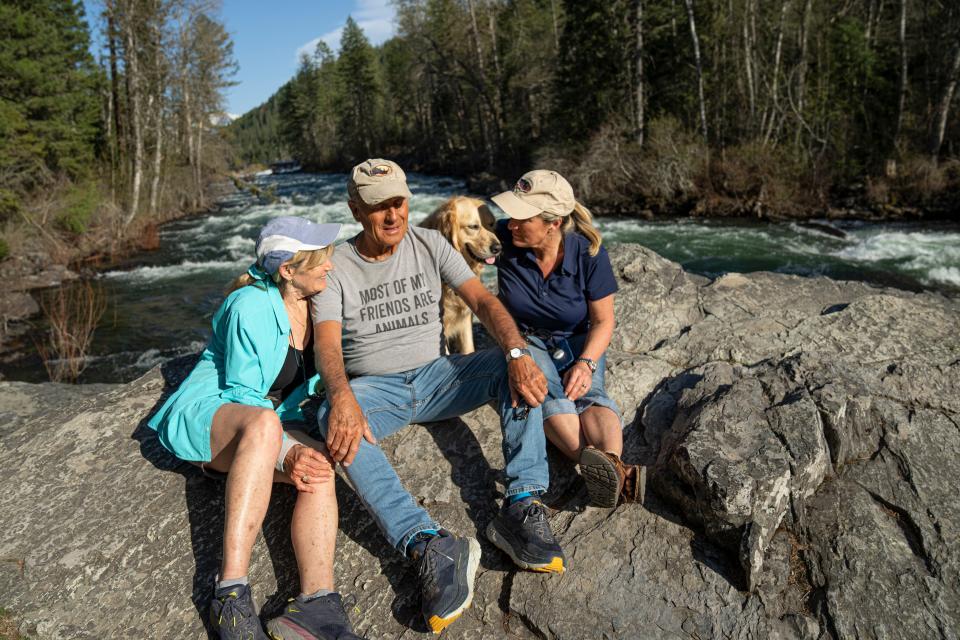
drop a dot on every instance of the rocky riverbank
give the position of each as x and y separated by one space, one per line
805 435
23 274
26 273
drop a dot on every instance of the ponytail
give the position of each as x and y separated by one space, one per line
240 282
581 221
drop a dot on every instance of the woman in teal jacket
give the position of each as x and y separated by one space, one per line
228 415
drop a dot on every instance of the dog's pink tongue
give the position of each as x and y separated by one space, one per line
490 260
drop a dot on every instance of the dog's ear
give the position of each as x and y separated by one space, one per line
487 218
449 225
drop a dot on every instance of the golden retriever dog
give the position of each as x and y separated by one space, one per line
468 225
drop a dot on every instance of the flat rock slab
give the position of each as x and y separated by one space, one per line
805 435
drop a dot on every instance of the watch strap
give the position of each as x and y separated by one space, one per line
523 351
590 363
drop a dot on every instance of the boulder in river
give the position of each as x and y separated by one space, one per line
804 436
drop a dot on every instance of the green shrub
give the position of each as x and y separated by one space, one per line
761 179
950 169
671 160
613 174
79 204
920 180
9 204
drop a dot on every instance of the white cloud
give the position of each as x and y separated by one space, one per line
375 17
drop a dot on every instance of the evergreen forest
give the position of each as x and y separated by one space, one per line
734 107
95 150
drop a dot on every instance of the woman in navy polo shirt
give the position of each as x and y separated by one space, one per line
556 280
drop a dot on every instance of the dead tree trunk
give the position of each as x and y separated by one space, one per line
699 64
157 155
556 25
902 103
198 167
188 128
639 74
116 142
770 117
157 120
748 66
802 64
481 112
943 110
497 80
136 117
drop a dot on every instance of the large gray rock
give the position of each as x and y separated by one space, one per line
805 435
16 305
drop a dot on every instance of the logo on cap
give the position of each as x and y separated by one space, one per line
381 170
523 185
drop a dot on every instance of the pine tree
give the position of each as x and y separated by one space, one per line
360 93
49 112
592 83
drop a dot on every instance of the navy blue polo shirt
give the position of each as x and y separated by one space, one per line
557 303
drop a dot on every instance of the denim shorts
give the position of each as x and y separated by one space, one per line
557 402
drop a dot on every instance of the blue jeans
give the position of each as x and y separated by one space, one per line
445 388
557 401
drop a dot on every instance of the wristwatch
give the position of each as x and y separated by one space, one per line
516 353
590 363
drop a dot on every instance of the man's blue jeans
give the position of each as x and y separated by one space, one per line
445 388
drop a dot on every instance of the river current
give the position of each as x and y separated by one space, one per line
160 303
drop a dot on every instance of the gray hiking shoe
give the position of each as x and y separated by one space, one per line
447 568
322 618
233 615
522 532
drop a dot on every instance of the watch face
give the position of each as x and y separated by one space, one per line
515 353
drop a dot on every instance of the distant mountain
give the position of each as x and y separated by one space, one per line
222 119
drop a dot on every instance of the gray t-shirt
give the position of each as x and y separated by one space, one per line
390 310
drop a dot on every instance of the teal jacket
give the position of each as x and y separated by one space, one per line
239 365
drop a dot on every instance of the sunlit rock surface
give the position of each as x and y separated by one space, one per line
805 435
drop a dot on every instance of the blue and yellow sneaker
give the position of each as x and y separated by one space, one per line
448 565
233 615
321 618
522 532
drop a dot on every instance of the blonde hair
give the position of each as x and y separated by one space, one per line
581 221
300 260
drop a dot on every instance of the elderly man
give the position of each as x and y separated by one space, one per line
378 340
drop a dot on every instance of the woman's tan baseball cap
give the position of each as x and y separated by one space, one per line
536 192
376 180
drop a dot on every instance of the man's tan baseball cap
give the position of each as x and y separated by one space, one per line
536 192
376 180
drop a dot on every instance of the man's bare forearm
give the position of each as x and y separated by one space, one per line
329 356
499 323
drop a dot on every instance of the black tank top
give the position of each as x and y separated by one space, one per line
295 371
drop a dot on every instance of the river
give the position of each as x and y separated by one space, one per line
160 303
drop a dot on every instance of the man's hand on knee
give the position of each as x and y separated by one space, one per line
346 424
305 468
526 382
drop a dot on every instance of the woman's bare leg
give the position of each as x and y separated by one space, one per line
314 534
563 430
314 529
245 442
601 430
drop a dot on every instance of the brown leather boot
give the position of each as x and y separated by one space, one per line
609 481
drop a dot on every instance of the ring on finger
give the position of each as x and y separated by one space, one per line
305 479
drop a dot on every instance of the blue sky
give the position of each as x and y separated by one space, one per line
268 36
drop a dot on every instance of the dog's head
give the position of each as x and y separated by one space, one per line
468 224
